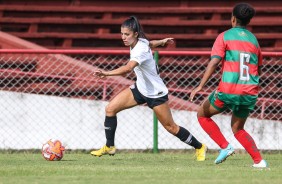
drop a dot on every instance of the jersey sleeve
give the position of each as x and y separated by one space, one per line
139 57
140 54
218 49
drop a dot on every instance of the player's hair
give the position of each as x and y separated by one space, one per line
133 24
243 12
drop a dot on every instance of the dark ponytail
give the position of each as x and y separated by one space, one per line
133 24
243 12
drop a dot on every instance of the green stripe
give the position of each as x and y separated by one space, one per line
240 34
233 77
234 55
216 56
238 99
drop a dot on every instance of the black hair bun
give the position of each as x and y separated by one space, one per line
244 11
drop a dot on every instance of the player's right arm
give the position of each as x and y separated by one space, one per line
218 52
208 73
119 71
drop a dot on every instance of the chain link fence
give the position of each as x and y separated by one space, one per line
53 94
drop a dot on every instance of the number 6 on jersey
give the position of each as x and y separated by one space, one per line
244 69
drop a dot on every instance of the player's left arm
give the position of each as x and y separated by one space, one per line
163 42
259 71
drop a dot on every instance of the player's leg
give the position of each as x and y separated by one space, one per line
123 100
164 115
238 120
208 108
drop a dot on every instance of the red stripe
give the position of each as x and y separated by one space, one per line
241 46
237 89
235 67
219 103
218 46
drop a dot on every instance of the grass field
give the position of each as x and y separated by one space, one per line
138 168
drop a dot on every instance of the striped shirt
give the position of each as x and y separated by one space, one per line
241 58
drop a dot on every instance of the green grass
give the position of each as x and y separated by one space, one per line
136 168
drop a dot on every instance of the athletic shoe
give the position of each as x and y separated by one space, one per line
201 153
261 164
104 151
224 153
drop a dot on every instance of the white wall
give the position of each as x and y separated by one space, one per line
27 121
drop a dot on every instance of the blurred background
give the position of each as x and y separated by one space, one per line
88 24
49 50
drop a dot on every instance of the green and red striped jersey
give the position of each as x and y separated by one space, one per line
241 58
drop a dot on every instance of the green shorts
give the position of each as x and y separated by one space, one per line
241 111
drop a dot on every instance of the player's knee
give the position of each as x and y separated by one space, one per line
171 128
236 129
200 115
202 112
110 110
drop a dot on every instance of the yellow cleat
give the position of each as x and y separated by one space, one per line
104 151
201 153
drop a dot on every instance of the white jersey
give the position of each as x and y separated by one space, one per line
148 80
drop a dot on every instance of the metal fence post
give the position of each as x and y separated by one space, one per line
155 129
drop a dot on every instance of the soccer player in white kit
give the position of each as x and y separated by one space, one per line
149 88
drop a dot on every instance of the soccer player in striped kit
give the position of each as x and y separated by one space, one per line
240 54
149 89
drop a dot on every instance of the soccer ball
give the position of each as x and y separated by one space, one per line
53 150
